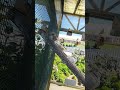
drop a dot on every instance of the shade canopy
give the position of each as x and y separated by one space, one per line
75 7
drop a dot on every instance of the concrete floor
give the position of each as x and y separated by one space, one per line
56 87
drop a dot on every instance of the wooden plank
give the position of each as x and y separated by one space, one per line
62 6
101 14
115 27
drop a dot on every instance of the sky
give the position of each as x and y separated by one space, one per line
74 20
41 14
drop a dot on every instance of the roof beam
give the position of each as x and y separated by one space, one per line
73 31
102 5
82 28
101 14
62 6
70 22
78 2
78 23
74 14
93 4
113 6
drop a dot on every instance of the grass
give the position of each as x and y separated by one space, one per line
66 43
81 46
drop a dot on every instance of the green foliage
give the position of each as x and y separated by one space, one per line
61 71
117 85
81 64
110 76
105 88
87 46
68 44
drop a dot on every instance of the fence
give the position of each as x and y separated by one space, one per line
45 14
101 65
92 53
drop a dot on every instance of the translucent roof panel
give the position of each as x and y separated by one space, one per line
81 8
69 7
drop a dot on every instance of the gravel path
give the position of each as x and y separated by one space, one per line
56 87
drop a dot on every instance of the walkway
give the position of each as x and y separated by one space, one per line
56 87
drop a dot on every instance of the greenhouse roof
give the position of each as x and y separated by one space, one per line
74 7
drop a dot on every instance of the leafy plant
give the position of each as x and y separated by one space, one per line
61 71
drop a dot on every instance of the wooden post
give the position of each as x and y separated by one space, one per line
116 27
